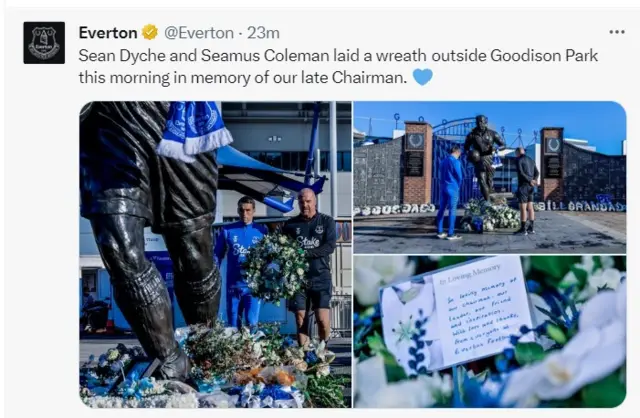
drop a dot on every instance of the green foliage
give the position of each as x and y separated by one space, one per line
554 267
527 353
556 334
394 371
451 261
581 275
326 391
272 344
609 392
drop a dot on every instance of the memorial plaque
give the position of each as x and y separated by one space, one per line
414 164
553 167
415 142
553 146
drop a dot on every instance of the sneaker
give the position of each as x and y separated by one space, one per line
441 235
521 232
531 231
453 237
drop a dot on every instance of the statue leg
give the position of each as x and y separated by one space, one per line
140 291
483 183
490 175
196 276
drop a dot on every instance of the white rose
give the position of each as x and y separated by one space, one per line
300 272
372 272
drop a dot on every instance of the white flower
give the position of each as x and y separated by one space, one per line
257 350
112 354
526 264
300 272
373 391
438 385
596 351
604 277
373 272
587 264
323 370
607 261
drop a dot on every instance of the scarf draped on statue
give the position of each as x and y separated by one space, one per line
497 162
193 128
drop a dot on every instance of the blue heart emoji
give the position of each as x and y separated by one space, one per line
422 76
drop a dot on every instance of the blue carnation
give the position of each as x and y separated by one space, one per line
311 357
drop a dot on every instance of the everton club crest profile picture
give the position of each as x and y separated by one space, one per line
44 42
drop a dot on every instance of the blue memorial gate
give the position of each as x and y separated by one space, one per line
445 136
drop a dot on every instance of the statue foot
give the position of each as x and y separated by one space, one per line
175 367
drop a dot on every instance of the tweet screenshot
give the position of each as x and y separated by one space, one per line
358 207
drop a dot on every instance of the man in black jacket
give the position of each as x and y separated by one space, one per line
316 233
527 180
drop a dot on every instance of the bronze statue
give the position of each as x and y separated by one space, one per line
480 147
126 186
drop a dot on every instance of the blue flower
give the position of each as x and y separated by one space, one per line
533 286
509 353
311 357
288 342
476 397
273 267
502 365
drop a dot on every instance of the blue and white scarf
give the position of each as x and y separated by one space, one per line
193 128
496 162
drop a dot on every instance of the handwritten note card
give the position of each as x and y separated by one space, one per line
480 305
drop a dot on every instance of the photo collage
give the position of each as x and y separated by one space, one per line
418 254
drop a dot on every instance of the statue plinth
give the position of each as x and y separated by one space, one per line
500 198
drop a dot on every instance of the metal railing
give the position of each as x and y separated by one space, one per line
341 318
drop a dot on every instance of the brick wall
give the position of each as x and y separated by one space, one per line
552 190
418 189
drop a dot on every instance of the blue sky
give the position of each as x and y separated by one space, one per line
603 124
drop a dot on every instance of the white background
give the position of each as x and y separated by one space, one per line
41 144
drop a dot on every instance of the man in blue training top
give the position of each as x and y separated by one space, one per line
235 240
450 182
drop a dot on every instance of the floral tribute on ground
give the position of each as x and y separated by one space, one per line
275 268
578 359
481 216
231 368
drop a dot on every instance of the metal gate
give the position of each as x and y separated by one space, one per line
445 136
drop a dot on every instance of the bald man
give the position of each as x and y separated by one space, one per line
527 180
316 232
